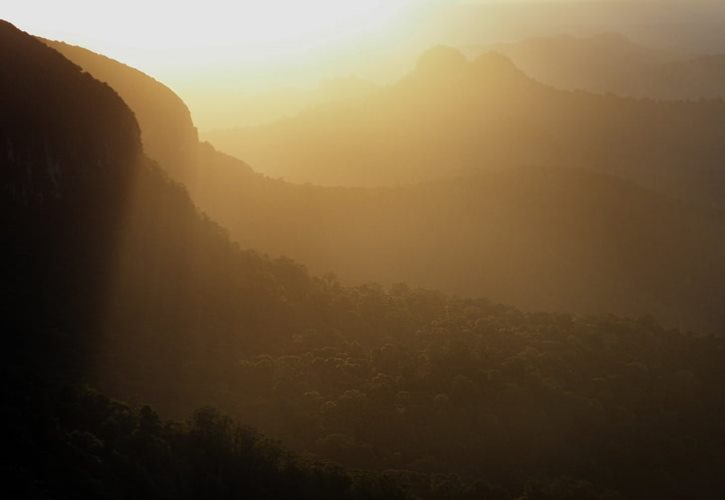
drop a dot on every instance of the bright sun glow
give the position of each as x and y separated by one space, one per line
205 48
242 29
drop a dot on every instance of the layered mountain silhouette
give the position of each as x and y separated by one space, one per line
450 118
541 238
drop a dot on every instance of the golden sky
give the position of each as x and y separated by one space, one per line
169 33
161 36
167 37
203 48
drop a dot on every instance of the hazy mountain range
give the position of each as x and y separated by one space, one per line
452 117
611 63
491 233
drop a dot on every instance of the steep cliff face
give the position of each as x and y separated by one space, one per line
60 129
167 131
106 263
69 151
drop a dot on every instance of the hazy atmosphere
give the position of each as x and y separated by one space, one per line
219 56
363 249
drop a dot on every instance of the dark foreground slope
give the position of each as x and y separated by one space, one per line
69 442
71 157
70 150
455 398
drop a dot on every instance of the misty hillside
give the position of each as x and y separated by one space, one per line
603 63
114 279
698 77
451 116
545 239
611 63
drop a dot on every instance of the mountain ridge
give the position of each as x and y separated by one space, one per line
612 63
168 132
490 118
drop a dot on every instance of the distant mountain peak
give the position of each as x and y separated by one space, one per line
495 64
441 60
443 64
